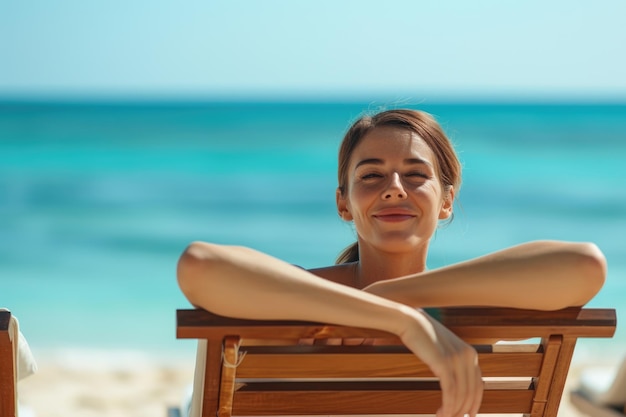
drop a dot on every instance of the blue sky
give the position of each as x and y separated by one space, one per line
323 48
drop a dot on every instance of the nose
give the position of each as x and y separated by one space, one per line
394 189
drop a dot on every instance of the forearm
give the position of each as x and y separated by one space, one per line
538 275
240 282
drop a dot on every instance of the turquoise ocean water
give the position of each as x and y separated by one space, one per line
98 200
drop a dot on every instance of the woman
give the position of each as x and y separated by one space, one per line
398 176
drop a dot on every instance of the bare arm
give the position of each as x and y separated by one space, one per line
544 275
240 282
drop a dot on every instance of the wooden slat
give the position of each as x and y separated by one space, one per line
560 375
337 365
543 384
269 348
513 323
552 346
466 322
212 375
198 324
500 384
230 361
7 368
367 402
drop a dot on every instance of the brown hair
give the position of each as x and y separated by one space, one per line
422 124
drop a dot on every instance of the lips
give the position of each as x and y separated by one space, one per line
394 215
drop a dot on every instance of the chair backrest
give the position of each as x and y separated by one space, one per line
7 368
255 368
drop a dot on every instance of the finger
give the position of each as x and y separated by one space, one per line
478 396
460 396
470 382
474 383
448 395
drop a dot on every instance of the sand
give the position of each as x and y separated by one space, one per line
60 391
137 390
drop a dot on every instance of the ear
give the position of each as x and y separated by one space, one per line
342 206
448 204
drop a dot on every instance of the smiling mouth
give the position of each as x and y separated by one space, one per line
394 218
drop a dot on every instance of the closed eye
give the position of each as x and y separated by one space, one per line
418 174
371 175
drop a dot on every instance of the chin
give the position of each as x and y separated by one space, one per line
403 245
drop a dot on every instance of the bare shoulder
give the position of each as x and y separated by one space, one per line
341 274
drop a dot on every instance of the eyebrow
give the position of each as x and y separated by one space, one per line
408 161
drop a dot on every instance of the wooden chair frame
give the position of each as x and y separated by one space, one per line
248 372
7 368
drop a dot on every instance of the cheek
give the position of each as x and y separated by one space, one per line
359 199
431 191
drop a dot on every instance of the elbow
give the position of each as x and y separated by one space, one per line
590 268
194 271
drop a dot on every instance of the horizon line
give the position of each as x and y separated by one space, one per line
374 99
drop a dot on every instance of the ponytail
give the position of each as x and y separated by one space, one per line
349 254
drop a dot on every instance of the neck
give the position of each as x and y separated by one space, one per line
374 266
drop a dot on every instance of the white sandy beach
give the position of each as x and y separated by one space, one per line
62 390
58 390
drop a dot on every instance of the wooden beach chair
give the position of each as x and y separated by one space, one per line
245 371
8 397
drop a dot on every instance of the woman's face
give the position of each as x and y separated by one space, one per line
393 192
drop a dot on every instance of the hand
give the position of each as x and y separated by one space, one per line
452 360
